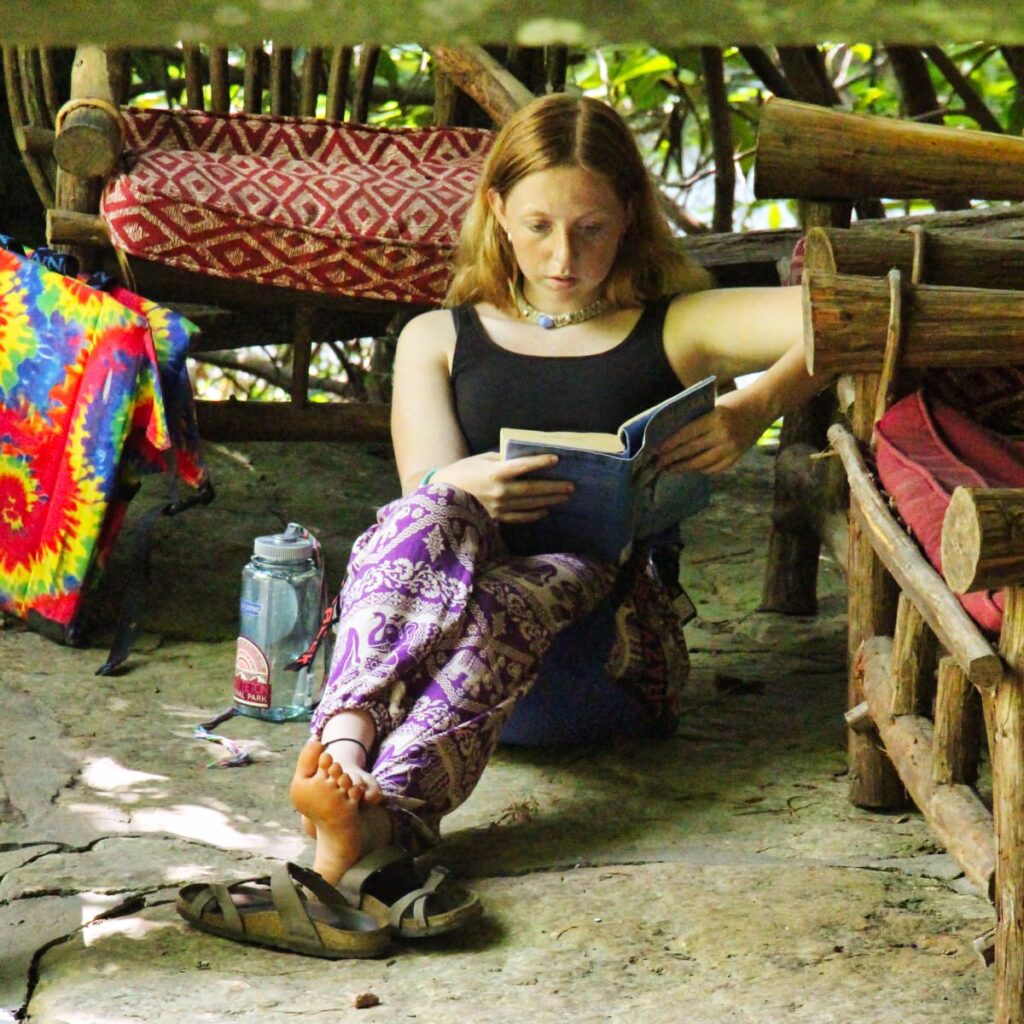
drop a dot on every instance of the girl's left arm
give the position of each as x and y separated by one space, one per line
731 332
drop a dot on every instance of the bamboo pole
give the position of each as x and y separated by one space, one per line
940 609
845 320
959 819
812 152
983 539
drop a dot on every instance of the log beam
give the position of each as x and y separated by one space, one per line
953 257
846 318
923 585
65 227
959 819
289 421
810 152
983 539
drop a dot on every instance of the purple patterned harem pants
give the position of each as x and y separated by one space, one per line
440 634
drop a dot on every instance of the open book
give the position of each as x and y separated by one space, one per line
621 495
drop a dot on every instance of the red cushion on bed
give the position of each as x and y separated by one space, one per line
927 449
353 209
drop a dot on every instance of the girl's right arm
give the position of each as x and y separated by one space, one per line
427 438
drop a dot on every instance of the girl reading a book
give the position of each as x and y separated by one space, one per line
571 308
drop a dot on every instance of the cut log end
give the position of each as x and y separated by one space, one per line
983 539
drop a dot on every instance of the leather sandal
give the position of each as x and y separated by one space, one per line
277 911
388 884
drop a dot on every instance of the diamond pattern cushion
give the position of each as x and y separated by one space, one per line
299 203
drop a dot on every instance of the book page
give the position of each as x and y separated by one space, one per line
589 441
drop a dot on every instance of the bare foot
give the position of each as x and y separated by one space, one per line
329 801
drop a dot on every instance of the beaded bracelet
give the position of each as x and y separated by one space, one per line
428 477
350 739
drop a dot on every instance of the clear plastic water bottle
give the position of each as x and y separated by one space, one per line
280 612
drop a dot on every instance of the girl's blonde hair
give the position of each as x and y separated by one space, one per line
561 130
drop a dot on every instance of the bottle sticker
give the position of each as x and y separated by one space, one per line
252 675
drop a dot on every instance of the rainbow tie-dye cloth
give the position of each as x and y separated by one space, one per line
93 392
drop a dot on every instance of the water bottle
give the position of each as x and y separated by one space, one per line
280 612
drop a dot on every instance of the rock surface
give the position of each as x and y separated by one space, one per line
720 876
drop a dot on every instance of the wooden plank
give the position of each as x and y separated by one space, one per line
940 609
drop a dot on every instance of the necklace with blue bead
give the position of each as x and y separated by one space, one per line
549 321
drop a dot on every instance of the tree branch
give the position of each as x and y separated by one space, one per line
963 88
764 67
269 373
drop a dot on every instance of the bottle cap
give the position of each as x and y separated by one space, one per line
294 545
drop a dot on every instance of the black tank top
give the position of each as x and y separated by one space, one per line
496 388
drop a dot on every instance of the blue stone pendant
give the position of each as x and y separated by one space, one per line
545 321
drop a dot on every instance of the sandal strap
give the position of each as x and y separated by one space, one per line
290 906
217 892
416 901
352 882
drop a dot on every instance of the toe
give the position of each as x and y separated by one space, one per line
334 772
325 762
309 757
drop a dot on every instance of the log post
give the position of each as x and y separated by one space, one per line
957 727
983 539
811 152
78 187
872 612
1007 804
791 565
914 657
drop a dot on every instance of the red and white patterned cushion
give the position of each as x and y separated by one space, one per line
356 210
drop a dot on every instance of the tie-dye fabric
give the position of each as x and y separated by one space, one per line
82 412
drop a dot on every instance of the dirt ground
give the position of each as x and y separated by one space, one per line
719 876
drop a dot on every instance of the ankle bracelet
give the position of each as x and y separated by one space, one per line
350 739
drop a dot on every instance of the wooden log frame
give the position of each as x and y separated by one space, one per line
810 152
953 810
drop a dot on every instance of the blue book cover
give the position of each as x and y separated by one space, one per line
622 498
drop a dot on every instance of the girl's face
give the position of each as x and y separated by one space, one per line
565 225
